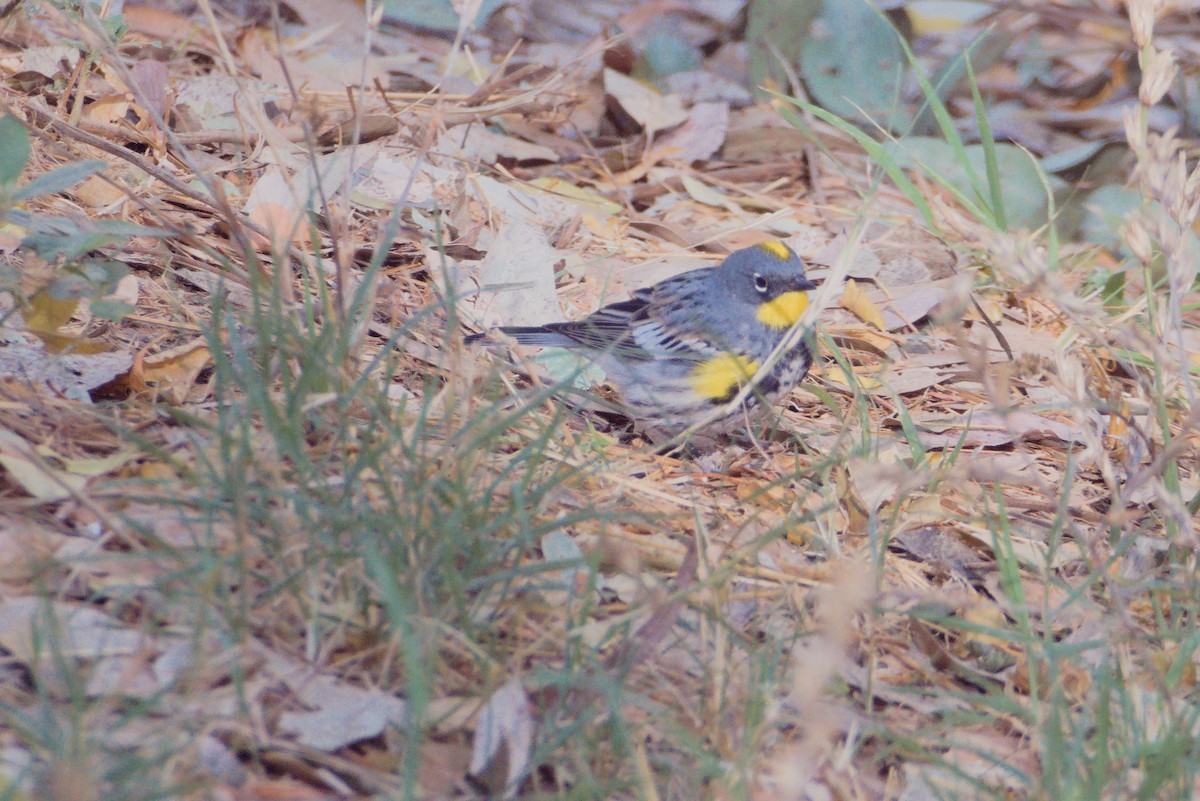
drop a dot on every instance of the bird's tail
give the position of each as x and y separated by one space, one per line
536 335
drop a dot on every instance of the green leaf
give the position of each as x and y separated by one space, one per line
1107 208
853 63
46 313
59 179
989 151
434 15
775 35
564 365
14 142
1022 195
60 238
111 309
665 54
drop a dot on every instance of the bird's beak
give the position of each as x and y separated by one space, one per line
804 285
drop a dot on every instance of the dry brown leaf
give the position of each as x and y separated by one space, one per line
516 279
25 545
170 375
476 144
96 192
699 138
36 476
161 23
337 714
108 110
258 788
282 224
878 481
443 767
990 429
652 110
34 628
503 741
904 310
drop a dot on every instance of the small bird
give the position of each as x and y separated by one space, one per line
688 344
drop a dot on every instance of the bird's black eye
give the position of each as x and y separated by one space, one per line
760 283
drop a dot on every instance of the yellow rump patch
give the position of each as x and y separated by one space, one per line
776 249
719 376
784 311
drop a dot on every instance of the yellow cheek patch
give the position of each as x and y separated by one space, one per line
720 376
784 311
776 249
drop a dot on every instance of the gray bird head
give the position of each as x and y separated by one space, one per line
761 273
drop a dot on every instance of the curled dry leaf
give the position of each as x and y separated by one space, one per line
653 111
281 224
503 741
35 475
172 373
700 136
336 714
854 299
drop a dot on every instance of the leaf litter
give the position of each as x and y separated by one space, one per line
560 190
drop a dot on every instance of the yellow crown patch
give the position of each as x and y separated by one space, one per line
776 249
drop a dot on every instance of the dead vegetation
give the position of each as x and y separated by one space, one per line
269 530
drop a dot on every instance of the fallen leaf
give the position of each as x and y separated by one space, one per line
653 111
703 193
903 310
161 23
92 467
394 179
338 713
586 200
34 628
516 279
503 741
474 143
46 313
990 429
70 374
171 374
700 136
39 479
281 223
126 676
25 545
855 300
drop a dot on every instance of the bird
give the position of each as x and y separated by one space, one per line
686 345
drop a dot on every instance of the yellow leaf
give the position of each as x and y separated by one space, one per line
835 375
860 338
46 314
99 466
855 300
40 480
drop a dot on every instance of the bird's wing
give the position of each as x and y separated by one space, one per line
669 325
608 329
655 323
